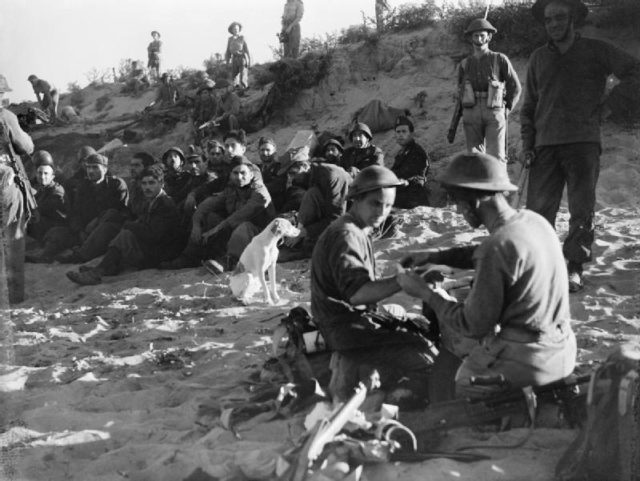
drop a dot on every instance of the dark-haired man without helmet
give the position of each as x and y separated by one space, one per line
515 321
362 153
489 88
560 122
411 164
144 242
345 290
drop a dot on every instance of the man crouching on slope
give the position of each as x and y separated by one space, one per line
515 321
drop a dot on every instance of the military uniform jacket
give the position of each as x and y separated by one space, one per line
412 164
93 200
157 229
361 158
251 203
52 204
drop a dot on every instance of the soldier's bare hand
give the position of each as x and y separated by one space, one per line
528 157
415 259
412 284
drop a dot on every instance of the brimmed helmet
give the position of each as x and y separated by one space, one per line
478 171
480 24
362 127
579 9
373 178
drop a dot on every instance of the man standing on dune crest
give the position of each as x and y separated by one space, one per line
560 122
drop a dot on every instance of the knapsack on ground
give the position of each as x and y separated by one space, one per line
608 446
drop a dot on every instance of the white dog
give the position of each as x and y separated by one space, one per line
259 256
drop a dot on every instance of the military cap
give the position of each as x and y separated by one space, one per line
404 120
301 156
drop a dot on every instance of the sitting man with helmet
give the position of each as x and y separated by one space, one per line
50 196
345 291
514 326
363 153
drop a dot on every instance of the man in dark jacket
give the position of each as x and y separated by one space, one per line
560 122
143 242
175 178
411 164
324 200
363 153
137 200
71 183
97 213
50 196
224 224
332 151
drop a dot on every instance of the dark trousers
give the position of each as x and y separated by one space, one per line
578 166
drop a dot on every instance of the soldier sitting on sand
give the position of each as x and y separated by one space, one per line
141 243
137 199
325 187
363 153
97 213
411 164
50 196
224 224
175 178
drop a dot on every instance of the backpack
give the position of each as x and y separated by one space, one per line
608 446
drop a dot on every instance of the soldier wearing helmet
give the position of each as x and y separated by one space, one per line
515 322
363 153
47 95
345 291
51 198
16 198
488 89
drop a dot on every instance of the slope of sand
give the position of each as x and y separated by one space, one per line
127 380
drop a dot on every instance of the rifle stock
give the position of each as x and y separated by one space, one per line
438 417
455 120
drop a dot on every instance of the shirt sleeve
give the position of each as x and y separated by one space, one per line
513 86
348 255
478 315
527 112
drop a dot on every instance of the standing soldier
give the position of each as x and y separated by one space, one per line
560 122
47 96
16 201
153 54
488 89
238 55
290 34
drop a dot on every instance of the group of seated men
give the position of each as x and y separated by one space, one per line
208 205
205 204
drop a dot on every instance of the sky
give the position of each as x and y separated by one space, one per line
62 40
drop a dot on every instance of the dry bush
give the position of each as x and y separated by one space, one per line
101 102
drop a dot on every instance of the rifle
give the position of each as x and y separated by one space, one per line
455 120
570 393
523 178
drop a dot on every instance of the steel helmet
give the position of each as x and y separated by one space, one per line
579 9
373 178
42 157
84 152
334 142
480 24
4 85
478 171
361 127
